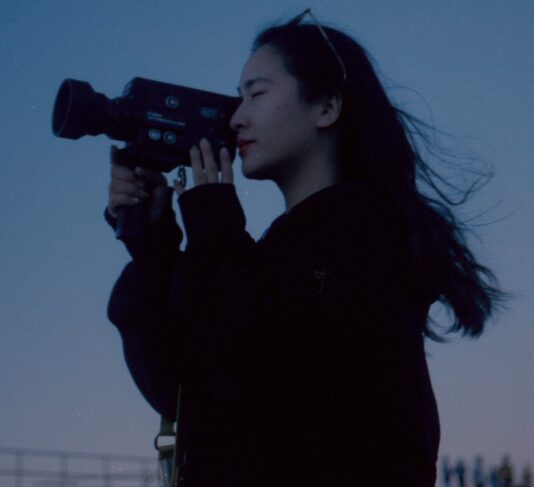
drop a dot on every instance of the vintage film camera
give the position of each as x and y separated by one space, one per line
159 122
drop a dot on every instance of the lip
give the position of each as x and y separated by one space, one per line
241 143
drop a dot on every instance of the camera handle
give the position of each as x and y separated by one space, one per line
132 222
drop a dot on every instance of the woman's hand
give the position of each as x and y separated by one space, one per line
129 187
205 169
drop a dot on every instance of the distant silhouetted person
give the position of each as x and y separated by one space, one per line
495 480
446 472
460 473
506 474
479 475
527 477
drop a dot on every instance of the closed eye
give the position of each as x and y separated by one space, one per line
256 93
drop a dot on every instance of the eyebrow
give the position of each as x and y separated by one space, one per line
247 85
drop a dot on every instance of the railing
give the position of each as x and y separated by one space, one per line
51 468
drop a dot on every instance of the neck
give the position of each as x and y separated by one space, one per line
310 177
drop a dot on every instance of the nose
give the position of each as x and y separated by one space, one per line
238 121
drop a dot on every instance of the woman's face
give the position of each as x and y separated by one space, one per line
275 126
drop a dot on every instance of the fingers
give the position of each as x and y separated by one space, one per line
140 175
210 166
125 187
130 186
205 168
125 193
227 174
199 177
153 179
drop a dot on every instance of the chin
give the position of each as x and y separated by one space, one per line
256 170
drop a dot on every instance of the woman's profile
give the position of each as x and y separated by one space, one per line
300 356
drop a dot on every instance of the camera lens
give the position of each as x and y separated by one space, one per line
79 110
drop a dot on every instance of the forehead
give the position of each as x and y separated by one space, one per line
264 63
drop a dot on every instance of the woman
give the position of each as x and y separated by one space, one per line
300 357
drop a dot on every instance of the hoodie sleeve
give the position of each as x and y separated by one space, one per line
182 314
139 307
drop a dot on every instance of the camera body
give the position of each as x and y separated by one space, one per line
159 122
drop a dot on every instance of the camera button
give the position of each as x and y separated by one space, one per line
172 102
154 134
169 138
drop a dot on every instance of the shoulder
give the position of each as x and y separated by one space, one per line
344 218
347 242
345 229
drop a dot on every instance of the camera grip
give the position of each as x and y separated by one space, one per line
132 222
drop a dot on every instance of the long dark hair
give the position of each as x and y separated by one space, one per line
377 143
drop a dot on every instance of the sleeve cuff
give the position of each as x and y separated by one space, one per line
211 214
163 237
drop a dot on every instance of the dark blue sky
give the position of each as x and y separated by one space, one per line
465 66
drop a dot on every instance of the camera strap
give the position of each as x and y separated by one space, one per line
171 456
181 176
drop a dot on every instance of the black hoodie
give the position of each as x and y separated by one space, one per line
300 356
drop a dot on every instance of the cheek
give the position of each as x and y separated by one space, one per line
273 114
283 120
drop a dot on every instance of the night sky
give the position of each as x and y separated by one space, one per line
465 67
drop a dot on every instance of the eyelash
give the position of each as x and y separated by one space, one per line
257 93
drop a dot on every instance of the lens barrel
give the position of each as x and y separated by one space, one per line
79 110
